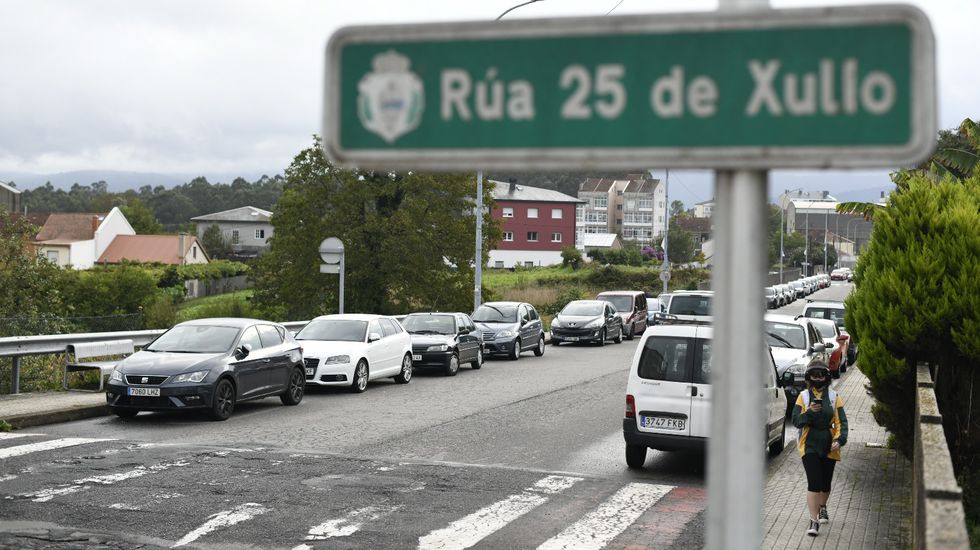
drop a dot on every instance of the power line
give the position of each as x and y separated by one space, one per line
614 7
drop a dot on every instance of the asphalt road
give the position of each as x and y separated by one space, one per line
515 455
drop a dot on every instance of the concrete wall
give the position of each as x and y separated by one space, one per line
939 521
64 253
511 257
82 255
115 223
197 288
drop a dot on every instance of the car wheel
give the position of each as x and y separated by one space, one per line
602 338
619 337
539 350
476 365
453 367
515 353
295 388
777 447
223 403
126 413
405 376
632 333
636 455
361 375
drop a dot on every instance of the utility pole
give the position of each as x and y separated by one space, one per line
806 245
478 286
666 264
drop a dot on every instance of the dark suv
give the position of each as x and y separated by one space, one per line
444 340
509 328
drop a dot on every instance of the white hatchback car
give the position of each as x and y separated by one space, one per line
668 395
352 349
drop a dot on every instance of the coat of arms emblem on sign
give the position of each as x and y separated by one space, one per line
391 98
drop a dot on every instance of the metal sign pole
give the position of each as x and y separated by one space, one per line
478 286
736 461
342 283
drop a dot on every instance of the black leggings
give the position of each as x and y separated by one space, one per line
819 472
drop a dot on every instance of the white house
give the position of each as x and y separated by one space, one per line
78 239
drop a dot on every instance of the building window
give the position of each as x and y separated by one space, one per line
532 212
508 212
556 213
556 237
619 207
528 264
600 202
532 236
508 236
619 193
260 233
645 204
498 264
194 252
660 204
619 221
52 256
234 236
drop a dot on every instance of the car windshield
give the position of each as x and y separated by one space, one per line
334 330
582 309
690 305
488 313
835 314
621 303
770 291
195 339
785 335
429 324
796 284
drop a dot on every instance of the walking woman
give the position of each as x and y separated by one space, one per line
819 415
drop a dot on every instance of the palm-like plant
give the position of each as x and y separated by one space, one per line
959 159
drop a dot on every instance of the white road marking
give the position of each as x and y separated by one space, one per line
47 446
597 528
8 477
349 524
45 495
468 531
224 519
15 435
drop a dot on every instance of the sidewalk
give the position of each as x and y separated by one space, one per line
34 409
871 501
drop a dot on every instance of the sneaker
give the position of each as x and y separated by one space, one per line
823 517
814 528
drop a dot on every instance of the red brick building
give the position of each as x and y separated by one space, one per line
536 223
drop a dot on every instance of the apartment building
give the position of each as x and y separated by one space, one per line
634 207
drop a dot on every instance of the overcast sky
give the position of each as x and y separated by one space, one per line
208 86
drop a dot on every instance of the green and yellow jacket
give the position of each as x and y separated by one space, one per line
819 430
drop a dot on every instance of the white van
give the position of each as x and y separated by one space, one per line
668 395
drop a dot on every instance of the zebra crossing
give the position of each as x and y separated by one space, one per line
193 497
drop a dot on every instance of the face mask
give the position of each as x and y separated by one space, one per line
819 384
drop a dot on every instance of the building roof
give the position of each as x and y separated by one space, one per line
243 214
599 240
709 201
66 227
160 249
510 192
694 225
10 188
821 205
634 183
641 186
593 185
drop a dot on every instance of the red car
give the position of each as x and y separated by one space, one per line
832 335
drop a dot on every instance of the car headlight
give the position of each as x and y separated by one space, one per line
116 376
556 324
442 347
595 324
506 334
191 376
336 359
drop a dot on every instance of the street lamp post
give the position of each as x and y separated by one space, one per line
782 229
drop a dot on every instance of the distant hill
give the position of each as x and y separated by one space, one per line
119 180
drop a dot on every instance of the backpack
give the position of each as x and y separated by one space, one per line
829 395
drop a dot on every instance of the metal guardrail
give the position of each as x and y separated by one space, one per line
49 344
939 521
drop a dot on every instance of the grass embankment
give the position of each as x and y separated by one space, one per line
231 304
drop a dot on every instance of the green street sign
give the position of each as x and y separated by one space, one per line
814 88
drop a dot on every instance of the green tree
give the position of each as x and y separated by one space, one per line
406 237
142 219
676 208
571 257
680 244
917 298
215 243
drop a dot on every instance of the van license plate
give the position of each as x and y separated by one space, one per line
663 423
416 357
571 338
144 392
310 371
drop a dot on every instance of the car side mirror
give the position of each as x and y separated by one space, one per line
830 347
373 337
818 348
242 351
787 379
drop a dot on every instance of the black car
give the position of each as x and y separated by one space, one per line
209 364
587 321
444 340
509 328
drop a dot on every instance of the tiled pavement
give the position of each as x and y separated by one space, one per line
871 500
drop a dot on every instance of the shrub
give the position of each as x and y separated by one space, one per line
571 257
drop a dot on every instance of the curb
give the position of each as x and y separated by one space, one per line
60 415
